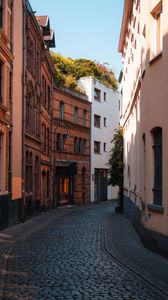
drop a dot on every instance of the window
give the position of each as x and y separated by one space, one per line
36 178
10 84
43 89
84 147
45 92
48 184
38 64
10 25
31 172
28 110
1 80
157 163
157 28
58 142
97 94
84 118
61 110
31 55
105 147
63 141
37 120
76 115
10 163
97 147
105 96
49 97
44 138
105 124
97 121
76 148
48 141
80 145
1 13
27 172
2 159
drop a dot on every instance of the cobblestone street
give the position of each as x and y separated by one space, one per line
69 254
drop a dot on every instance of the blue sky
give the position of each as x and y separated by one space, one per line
85 29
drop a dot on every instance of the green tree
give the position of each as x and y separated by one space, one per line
116 164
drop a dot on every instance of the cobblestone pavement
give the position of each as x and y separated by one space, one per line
70 256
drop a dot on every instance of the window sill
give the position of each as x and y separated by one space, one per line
156 208
155 58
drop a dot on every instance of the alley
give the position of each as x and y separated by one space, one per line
70 253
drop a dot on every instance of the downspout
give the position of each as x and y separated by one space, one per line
91 153
51 147
22 214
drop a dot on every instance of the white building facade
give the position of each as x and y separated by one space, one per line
144 89
104 120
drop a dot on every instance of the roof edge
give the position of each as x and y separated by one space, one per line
128 4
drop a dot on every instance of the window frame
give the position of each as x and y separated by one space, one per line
61 110
157 23
105 121
76 115
97 121
84 118
157 146
1 13
1 81
97 94
97 145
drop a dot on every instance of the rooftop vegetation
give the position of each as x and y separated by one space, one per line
69 70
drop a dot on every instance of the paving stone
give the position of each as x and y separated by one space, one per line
67 257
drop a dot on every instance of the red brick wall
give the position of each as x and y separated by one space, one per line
73 130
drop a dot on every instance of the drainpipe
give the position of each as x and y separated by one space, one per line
51 146
90 152
22 215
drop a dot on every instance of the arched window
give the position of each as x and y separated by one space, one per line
58 142
61 110
76 115
157 165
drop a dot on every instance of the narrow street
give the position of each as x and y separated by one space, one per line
79 253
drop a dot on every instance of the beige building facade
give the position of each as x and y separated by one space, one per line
143 102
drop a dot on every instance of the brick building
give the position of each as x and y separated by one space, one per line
38 98
6 60
71 147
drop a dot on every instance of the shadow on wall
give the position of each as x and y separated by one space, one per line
138 151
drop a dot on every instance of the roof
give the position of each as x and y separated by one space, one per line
48 34
42 20
50 39
128 4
